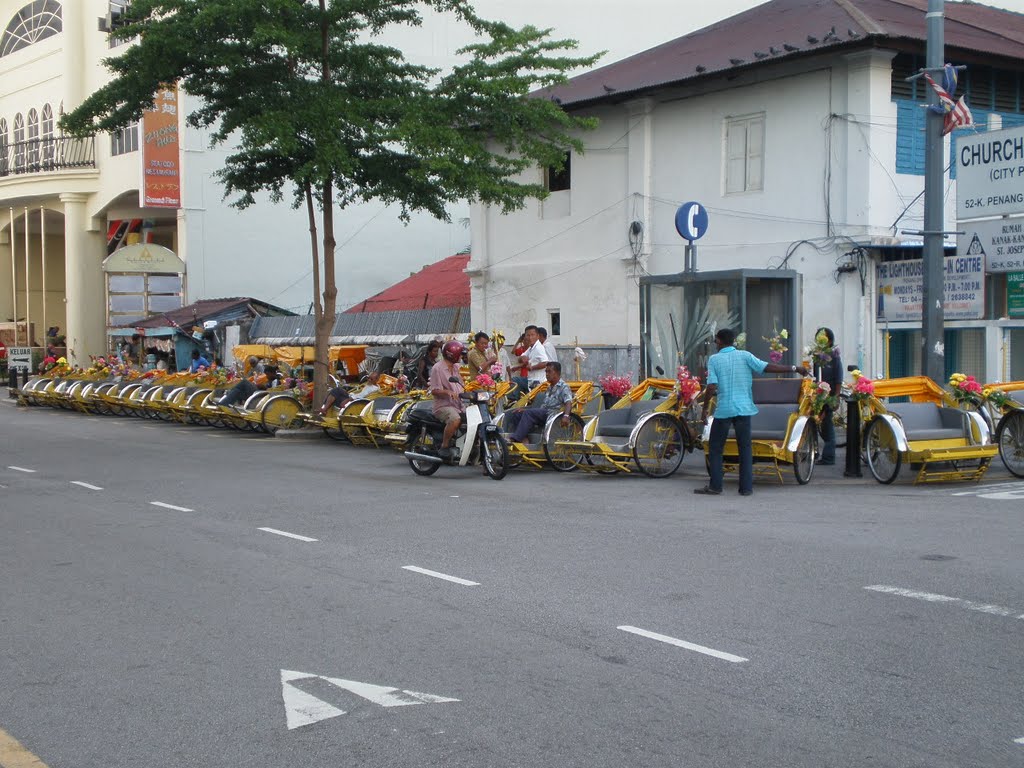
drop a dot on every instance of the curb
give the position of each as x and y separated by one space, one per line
301 434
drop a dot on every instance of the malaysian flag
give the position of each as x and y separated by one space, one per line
955 114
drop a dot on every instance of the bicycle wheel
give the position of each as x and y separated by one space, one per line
658 448
883 457
495 455
559 457
1010 437
803 456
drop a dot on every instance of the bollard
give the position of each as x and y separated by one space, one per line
24 377
12 381
852 439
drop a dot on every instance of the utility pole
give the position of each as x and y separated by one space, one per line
933 362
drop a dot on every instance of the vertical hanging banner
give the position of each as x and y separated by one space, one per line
161 177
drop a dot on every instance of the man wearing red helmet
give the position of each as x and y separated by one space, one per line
447 405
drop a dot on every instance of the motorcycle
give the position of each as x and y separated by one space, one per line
478 438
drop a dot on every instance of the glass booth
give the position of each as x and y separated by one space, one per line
679 315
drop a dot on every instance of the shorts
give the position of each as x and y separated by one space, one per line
448 414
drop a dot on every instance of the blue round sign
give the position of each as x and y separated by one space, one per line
692 221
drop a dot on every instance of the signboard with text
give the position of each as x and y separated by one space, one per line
990 174
999 241
19 358
900 289
161 176
1015 294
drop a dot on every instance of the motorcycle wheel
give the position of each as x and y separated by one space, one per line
422 443
496 462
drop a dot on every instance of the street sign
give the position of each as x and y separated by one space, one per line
20 359
692 221
990 174
303 708
1000 241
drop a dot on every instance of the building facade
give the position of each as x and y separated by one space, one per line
794 126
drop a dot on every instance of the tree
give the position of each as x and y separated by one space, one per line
317 106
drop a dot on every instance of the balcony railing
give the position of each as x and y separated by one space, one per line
44 155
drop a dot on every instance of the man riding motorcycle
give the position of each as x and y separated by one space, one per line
446 386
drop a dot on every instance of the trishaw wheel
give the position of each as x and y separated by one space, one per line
563 459
280 412
495 455
1010 437
882 454
335 433
423 443
659 448
803 456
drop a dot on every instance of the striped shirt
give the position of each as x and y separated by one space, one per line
733 371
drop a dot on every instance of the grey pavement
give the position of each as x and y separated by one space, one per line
137 634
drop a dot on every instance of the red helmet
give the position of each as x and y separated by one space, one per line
453 350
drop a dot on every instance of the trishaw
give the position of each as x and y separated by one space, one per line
542 447
944 441
1003 406
648 427
782 431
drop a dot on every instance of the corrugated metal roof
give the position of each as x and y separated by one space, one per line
222 310
786 29
443 284
365 328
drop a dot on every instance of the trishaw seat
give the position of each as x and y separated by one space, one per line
927 421
619 422
776 391
771 421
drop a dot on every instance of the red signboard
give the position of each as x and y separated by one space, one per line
161 177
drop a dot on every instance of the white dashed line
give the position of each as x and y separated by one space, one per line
289 535
445 576
86 485
1019 741
22 469
171 506
931 597
683 644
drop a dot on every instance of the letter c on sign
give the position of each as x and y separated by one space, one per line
691 221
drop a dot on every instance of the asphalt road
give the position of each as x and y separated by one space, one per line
841 623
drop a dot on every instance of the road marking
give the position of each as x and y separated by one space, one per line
1019 741
445 576
997 492
14 755
23 469
86 485
303 708
931 597
289 535
171 506
683 644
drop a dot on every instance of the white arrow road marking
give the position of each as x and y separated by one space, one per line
22 469
445 576
86 485
931 597
683 644
303 708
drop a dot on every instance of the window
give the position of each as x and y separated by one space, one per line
136 296
744 154
115 19
48 144
4 146
33 139
19 142
558 179
124 141
36 21
555 322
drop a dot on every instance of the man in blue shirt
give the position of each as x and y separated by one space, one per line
731 380
198 361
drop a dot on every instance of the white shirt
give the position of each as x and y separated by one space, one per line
536 354
549 349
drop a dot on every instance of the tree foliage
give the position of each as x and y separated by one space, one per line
315 105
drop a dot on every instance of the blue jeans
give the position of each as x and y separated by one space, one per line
719 434
828 436
523 383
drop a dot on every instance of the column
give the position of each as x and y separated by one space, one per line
6 277
74 26
84 251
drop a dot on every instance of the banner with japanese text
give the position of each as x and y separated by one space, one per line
161 175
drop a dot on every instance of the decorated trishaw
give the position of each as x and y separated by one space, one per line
648 430
912 420
1002 404
543 446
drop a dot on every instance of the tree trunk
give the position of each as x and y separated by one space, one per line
328 311
320 369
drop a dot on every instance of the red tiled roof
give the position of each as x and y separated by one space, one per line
444 284
785 29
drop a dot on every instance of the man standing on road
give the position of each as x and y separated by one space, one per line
731 380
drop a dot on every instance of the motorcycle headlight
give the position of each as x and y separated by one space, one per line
483 397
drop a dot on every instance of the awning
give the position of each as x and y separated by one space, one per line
149 332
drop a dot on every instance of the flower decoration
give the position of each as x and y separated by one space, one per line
820 351
740 342
822 398
777 345
484 381
614 385
687 384
496 371
965 388
996 396
863 387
